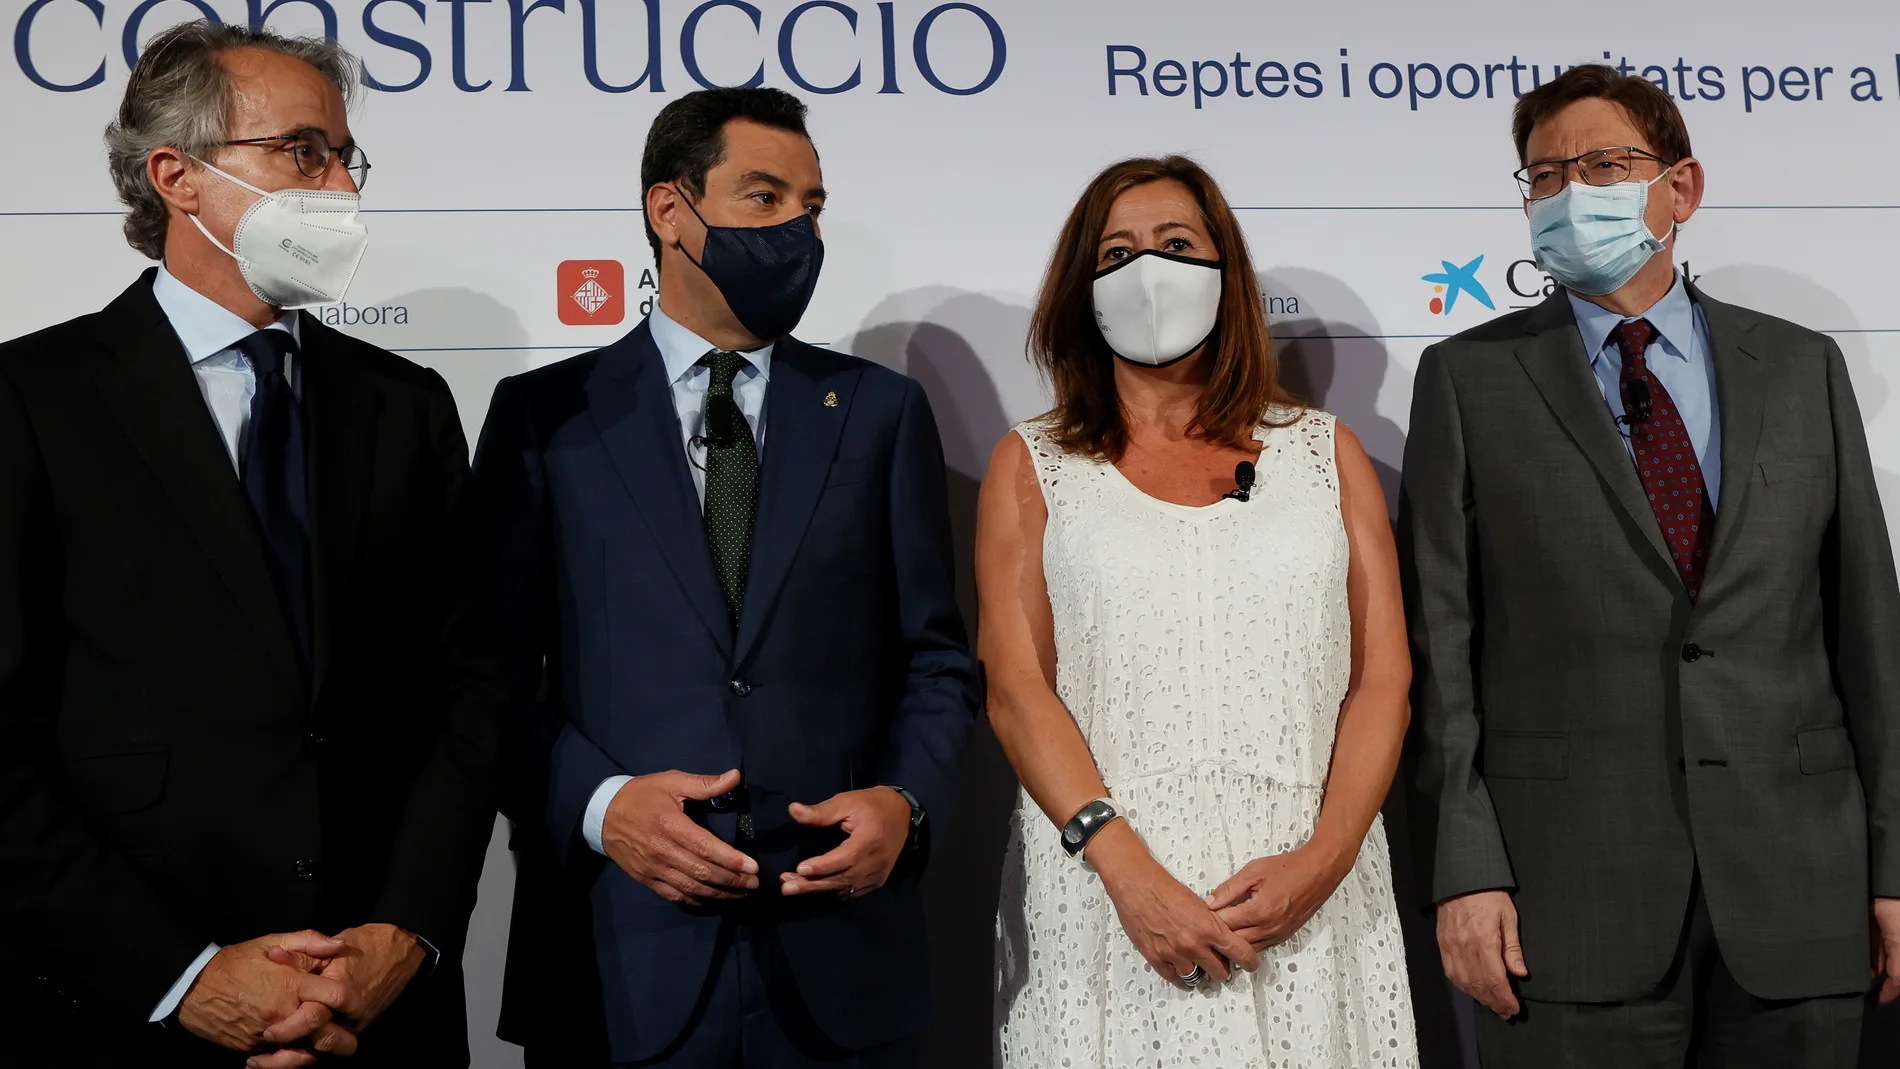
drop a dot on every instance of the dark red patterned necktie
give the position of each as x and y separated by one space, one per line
1665 458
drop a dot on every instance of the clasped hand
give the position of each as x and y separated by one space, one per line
289 997
648 834
1273 897
1261 906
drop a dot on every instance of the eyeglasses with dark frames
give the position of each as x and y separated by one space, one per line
1599 167
313 153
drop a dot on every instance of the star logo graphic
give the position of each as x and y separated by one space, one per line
1454 280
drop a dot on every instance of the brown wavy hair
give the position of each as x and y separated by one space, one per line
1652 109
1067 345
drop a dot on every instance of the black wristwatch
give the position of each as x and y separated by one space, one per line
1088 820
916 816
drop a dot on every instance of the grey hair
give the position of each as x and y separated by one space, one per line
180 96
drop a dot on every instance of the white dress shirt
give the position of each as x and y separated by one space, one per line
681 351
210 333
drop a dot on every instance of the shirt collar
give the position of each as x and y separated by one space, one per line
1673 317
681 349
206 327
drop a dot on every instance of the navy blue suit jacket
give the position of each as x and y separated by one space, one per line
850 668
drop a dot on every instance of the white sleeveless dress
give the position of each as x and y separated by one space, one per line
1204 652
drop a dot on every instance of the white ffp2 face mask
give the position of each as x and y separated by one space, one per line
1155 308
296 247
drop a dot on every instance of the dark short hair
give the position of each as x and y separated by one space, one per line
1651 108
1067 344
688 136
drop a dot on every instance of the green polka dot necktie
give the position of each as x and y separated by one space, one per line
732 481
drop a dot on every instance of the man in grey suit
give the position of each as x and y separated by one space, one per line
1656 637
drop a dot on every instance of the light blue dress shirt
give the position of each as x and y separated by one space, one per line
1680 360
210 333
681 351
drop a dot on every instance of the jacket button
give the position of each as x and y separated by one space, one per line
741 688
306 869
721 803
1691 653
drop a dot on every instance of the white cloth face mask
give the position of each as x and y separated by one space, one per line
296 248
1155 308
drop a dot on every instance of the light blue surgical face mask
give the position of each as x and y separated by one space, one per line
1593 238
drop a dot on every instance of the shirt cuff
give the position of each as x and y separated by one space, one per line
185 980
595 818
435 956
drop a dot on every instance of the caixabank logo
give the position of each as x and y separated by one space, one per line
1453 281
1528 284
820 46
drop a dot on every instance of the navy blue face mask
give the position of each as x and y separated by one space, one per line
766 273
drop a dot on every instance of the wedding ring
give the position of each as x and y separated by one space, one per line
1195 978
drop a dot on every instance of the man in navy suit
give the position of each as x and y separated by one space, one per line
725 561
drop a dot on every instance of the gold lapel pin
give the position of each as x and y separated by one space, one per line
831 399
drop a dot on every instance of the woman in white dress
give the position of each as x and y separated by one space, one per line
1202 690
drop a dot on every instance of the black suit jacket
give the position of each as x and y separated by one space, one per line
169 774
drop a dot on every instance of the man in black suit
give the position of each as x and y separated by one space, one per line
243 695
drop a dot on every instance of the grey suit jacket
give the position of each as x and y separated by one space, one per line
1585 736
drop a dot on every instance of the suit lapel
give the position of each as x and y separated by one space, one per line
149 390
1741 390
801 438
340 411
631 406
1555 361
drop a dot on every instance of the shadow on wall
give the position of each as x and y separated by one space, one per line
960 892
1801 300
1325 362
459 318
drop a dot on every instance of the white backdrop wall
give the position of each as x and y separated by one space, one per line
1367 145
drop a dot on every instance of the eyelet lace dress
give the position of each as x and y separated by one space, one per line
1204 652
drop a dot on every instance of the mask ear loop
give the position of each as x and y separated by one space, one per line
681 245
231 178
221 246
199 223
1674 227
236 181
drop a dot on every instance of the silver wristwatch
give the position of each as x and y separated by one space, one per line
1082 827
